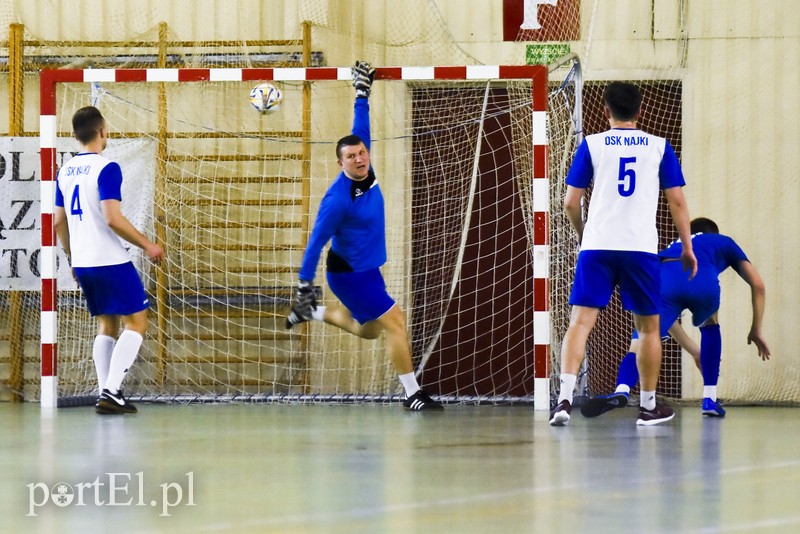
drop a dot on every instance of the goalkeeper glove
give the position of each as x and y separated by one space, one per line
305 303
363 76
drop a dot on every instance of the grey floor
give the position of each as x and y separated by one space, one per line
368 468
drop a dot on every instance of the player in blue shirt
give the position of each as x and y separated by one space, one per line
89 231
626 168
701 295
351 217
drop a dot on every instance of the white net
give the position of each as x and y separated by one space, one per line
661 115
720 126
229 192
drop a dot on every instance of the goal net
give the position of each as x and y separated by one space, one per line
662 114
461 157
662 56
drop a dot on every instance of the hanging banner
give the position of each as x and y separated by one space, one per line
20 192
541 20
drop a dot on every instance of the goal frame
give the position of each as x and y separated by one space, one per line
537 74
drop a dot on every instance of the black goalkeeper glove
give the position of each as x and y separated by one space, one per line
305 303
363 76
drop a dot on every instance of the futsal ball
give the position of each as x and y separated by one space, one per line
265 97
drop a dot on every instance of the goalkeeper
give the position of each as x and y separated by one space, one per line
701 295
351 216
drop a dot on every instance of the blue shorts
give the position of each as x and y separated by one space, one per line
598 272
363 294
112 289
700 295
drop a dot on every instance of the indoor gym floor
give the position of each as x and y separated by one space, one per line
376 468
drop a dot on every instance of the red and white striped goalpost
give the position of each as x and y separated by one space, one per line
49 80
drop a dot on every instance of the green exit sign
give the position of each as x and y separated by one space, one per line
544 54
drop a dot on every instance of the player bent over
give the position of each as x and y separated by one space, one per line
91 185
351 216
701 295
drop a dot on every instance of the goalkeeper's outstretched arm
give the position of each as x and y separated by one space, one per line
363 76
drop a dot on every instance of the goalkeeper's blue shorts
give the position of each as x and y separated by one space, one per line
363 293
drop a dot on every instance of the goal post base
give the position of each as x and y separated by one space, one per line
541 394
49 392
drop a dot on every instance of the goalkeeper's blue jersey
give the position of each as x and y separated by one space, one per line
714 251
351 218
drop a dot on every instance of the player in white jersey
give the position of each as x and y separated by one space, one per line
619 241
88 220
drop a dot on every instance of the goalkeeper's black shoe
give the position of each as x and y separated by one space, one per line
604 403
113 403
421 401
294 319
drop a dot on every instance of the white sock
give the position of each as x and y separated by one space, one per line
410 384
647 400
710 392
125 352
319 313
623 388
101 354
567 387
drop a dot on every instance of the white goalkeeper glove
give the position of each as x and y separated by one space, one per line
363 76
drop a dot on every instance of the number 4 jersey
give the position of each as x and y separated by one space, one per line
627 168
82 183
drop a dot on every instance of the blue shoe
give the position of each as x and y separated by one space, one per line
604 403
712 408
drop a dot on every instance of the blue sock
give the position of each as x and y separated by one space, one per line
710 353
628 372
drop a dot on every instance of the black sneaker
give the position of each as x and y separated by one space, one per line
559 416
421 401
656 416
603 403
113 403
